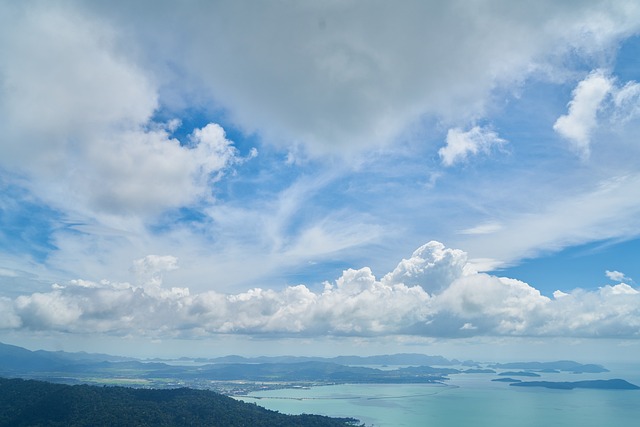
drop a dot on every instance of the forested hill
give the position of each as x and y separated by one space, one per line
38 403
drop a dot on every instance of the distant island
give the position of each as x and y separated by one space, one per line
614 384
561 365
506 380
518 374
478 371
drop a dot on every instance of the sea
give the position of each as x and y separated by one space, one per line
467 400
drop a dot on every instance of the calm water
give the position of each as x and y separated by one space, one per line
467 400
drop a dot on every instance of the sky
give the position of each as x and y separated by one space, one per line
340 177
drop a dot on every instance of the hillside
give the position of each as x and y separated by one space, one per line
37 403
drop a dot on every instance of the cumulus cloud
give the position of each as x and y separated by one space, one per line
461 144
492 304
141 172
578 124
76 114
432 266
356 304
612 311
598 99
617 276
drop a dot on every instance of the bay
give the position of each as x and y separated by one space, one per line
467 399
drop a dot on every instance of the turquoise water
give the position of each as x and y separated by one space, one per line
466 400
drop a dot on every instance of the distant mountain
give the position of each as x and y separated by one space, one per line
222 373
83 356
561 365
615 384
14 359
18 359
36 403
388 359
23 358
74 368
395 359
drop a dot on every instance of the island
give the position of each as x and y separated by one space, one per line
518 374
613 384
560 365
506 380
478 371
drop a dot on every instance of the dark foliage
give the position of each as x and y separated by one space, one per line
36 403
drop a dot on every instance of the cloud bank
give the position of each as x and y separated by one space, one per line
430 294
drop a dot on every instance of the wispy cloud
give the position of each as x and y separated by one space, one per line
460 144
609 211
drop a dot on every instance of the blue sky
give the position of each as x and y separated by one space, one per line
375 176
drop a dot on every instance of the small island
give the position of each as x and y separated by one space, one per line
558 366
478 371
614 384
518 374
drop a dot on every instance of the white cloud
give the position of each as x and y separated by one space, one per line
599 101
486 228
8 318
356 304
613 311
148 270
581 119
348 77
62 83
76 118
461 144
609 210
494 305
144 172
617 276
627 103
559 294
431 266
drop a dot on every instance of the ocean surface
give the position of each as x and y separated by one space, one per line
467 400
